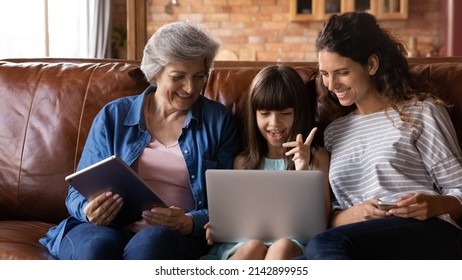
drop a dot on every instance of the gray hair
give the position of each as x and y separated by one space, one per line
178 42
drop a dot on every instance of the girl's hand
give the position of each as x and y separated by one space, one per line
208 233
102 209
173 218
301 150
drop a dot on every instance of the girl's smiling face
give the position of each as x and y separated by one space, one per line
275 127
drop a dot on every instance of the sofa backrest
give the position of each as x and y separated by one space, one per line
446 74
47 107
46 110
230 80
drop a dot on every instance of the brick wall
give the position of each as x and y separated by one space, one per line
264 25
119 10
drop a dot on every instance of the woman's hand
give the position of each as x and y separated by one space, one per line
173 218
102 209
208 233
414 205
421 206
301 150
364 211
137 226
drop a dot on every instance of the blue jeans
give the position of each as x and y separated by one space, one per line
89 242
389 238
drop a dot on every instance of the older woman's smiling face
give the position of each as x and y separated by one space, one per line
180 84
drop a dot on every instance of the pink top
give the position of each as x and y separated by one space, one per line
164 169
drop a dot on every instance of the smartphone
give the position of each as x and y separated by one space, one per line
387 205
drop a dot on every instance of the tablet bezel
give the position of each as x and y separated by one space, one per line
113 174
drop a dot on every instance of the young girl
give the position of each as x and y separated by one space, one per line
278 118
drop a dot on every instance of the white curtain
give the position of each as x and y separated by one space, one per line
100 30
55 28
68 26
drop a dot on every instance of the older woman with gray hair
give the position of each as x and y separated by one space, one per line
170 135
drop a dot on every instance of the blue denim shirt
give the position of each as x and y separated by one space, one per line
208 141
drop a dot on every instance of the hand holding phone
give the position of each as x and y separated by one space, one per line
387 205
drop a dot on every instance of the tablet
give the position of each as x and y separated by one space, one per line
113 174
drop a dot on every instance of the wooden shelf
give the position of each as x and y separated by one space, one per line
320 10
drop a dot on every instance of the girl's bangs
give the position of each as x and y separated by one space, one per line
273 98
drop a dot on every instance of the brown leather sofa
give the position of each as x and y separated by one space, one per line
47 106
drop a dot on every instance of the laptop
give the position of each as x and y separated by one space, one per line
113 174
265 204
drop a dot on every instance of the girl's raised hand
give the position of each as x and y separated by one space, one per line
301 150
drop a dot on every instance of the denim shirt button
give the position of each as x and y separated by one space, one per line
200 202
186 151
193 176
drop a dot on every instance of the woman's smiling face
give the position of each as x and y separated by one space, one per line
347 79
180 84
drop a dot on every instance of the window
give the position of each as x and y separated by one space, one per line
45 28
